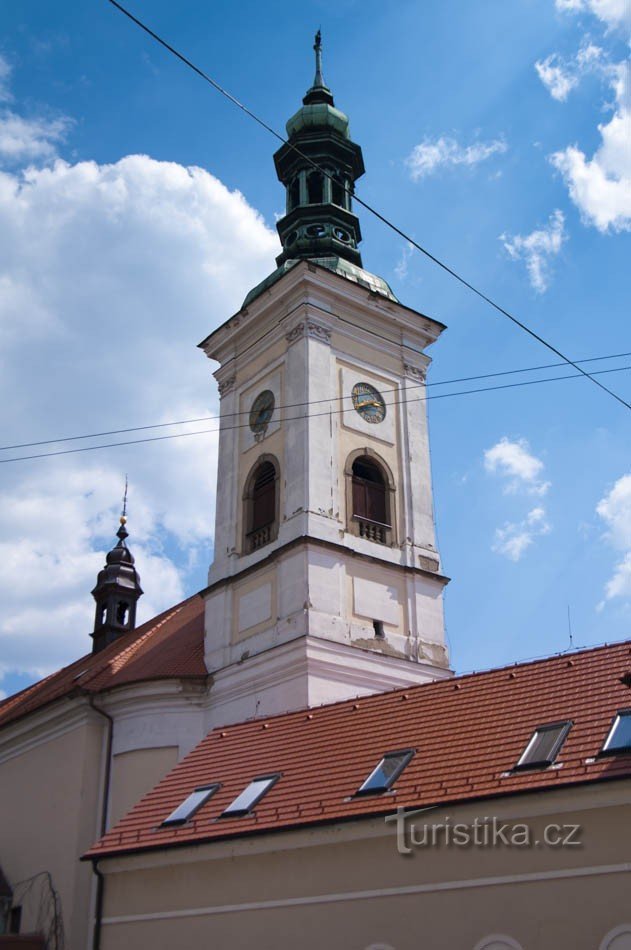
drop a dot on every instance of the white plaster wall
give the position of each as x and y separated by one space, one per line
312 336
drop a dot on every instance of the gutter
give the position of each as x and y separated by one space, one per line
100 880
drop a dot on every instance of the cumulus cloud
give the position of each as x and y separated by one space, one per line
600 186
431 155
613 13
109 276
513 461
537 249
514 538
615 510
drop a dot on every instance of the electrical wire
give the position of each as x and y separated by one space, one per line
224 92
312 415
299 405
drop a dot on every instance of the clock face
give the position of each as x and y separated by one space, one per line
368 402
262 411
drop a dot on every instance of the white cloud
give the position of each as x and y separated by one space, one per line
613 13
431 155
560 76
5 72
556 76
401 267
109 276
537 249
522 472
513 460
25 139
600 186
514 538
615 510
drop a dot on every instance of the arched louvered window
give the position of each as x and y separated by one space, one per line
294 194
371 500
338 195
261 505
315 188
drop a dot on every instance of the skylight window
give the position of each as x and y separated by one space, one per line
619 738
544 745
385 774
190 805
245 802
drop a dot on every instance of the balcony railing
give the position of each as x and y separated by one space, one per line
260 537
372 530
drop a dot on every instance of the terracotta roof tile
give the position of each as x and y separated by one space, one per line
170 646
467 740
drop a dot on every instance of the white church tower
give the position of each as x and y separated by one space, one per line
326 582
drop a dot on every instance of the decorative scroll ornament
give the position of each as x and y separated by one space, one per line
418 373
295 333
312 329
318 332
226 386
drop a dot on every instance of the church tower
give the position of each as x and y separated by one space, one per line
326 581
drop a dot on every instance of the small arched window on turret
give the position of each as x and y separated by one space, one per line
370 498
293 199
315 188
261 504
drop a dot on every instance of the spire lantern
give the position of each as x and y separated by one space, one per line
318 167
117 590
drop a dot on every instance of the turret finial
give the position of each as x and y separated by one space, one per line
319 79
122 532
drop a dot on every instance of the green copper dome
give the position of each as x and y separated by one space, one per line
318 115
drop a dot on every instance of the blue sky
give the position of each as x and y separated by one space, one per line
137 208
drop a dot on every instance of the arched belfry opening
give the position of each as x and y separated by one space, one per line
370 497
261 503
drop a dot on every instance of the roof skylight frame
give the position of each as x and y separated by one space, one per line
251 800
370 786
607 748
191 805
526 761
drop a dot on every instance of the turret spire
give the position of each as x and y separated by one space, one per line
117 590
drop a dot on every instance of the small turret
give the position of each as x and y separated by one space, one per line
117 591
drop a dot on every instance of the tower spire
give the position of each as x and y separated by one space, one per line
319 91
117 589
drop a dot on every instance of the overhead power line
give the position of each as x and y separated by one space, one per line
300 405
312 415
381 217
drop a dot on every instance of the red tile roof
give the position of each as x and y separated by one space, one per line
469 732
170 646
